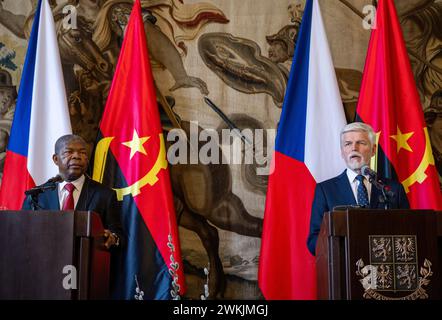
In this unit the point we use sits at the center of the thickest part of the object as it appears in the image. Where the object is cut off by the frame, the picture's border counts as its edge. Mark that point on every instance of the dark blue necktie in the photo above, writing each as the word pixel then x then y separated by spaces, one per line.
pixel 362 192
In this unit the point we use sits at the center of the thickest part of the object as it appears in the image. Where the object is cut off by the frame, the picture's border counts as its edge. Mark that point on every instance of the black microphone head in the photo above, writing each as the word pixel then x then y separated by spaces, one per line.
pixel 365 170
pixel 55 179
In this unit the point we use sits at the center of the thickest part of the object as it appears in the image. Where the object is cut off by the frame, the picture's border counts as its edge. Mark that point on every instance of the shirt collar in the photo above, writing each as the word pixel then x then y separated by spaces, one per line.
pixel 77 183
pixel 352 175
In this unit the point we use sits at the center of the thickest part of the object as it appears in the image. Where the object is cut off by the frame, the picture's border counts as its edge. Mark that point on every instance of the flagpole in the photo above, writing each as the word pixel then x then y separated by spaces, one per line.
pixel 166 107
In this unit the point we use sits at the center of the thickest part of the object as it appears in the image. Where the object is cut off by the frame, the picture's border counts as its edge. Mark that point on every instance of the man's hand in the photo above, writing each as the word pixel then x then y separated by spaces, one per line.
pixel 111 239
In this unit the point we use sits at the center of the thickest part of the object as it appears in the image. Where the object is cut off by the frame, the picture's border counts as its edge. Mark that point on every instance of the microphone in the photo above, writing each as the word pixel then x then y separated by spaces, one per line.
pixel 366 171
pixel 387 194
pixel 48 185
pixel 55 179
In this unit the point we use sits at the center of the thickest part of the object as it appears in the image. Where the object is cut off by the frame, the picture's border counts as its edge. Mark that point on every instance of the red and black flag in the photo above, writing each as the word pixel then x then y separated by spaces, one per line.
pixel 389 102
pixel 130 157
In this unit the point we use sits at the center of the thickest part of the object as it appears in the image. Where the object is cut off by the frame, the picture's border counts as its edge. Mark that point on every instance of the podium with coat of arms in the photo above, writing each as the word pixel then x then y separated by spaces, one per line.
pixel 379 255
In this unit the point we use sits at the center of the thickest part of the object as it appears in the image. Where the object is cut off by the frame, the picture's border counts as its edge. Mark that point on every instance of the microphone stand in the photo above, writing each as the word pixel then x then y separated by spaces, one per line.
pixel 34 202
pixel 34 192
pixel 386 196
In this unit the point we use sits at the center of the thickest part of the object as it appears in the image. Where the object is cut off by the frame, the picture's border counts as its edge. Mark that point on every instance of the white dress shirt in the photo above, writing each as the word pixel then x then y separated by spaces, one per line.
pixel 351 175
pixel 63 193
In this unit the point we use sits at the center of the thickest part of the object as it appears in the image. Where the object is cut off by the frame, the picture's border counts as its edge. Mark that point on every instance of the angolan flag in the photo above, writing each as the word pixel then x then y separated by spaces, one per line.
pixel 130 157
pixel 389 102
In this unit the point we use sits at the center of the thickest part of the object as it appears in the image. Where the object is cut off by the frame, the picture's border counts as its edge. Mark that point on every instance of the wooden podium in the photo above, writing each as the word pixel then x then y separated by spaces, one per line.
pixel 380 255
pixel 52 255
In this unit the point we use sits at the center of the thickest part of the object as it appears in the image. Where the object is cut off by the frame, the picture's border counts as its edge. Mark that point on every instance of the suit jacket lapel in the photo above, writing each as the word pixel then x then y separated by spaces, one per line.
pixel 53 202
pixel 345 189
pixel 86 195
pixel 374 197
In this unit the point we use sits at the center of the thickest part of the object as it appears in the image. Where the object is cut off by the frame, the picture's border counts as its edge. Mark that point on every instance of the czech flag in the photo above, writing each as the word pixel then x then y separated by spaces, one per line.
pixel 131 158
pixel 307 152
pixel 390 103
pixel 41 114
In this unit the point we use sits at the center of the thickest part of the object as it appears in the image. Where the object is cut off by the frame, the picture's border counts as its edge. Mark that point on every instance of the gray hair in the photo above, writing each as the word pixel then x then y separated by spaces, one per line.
pixel 63 140
pixel 359 127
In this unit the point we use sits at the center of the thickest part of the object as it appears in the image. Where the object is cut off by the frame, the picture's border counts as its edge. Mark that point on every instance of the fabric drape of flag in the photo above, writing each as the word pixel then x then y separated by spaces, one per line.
pixel 307 152
pixel 131 158
pixel 389 102
pixel 41 114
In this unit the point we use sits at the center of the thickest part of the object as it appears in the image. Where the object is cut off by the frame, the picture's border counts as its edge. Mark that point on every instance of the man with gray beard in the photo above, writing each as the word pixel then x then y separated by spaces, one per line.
pixel 352 187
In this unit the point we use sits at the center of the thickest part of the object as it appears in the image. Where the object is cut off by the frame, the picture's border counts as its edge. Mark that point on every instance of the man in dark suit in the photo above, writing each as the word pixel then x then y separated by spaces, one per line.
pixel 351 187
pixel 79 192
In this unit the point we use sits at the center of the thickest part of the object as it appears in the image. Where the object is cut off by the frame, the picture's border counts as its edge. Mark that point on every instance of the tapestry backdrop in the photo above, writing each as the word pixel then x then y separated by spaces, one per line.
pixel 238 54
